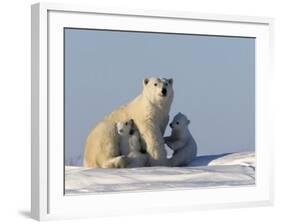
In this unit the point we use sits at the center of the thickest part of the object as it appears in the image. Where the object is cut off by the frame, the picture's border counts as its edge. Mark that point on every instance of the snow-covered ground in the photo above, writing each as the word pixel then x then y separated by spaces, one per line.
pixel 233 169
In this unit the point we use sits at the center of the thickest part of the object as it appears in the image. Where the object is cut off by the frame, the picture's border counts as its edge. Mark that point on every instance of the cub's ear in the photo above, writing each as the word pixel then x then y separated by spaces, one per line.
pixel 145 81
pixel 131 121
pixel 170 81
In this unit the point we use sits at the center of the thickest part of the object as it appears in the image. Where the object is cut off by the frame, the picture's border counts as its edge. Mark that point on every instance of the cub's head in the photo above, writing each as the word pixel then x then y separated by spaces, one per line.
pixel 125 128
pixel 158 90
pixel 180 122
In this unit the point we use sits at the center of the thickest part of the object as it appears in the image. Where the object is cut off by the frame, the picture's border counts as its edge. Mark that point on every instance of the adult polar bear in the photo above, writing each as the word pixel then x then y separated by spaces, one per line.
pixel 150 112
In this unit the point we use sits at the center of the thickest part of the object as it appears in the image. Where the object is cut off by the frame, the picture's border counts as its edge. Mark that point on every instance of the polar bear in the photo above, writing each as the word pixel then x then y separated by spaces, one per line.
pixel 129 137
pixel 181 141
pixel 130 145
pixel 150 112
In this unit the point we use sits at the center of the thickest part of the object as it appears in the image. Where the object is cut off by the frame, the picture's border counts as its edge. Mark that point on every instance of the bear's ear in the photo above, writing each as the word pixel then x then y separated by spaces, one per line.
pixel 170 81
pixel 131 121
pixel 145 81
pixel 179 114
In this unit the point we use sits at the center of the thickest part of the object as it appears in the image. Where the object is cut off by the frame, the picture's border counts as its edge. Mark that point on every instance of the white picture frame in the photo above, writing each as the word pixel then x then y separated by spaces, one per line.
pixel 47 196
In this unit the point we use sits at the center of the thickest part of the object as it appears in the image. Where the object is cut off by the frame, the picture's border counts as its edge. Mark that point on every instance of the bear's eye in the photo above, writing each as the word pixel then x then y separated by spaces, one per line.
pixel 166 84
pixel 177 123
pixel 126 123
pixel 155 84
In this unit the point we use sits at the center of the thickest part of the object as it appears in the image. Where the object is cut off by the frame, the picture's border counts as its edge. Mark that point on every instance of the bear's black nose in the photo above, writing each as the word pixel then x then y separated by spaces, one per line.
pixel 164 92
pixel 121 130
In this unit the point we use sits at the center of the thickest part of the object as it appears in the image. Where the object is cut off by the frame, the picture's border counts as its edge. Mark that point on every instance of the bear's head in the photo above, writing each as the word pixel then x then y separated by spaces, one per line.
pixel 125 128
pixel 158 90
pixel 180 122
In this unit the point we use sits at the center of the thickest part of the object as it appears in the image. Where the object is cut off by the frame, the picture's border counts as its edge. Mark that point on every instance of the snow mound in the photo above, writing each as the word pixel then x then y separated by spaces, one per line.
pixel 234 169
pixel 238 158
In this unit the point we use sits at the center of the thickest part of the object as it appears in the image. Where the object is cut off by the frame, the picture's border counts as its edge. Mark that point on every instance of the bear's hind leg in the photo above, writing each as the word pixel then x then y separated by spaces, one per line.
pixel 117 162
pixel 137 159
pixel 178 159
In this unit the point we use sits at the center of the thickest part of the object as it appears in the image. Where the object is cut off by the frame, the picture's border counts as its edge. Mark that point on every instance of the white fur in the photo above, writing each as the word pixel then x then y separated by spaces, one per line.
pixel 181 141
pixel 123 129
pixel 150 112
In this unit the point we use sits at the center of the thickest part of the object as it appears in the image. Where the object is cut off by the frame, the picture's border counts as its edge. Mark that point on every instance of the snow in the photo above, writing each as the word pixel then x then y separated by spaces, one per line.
pixel 233 169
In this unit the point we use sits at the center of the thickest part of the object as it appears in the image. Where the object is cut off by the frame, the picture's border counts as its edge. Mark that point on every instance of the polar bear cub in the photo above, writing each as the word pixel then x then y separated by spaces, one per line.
pixel 130 145
pixel 181 141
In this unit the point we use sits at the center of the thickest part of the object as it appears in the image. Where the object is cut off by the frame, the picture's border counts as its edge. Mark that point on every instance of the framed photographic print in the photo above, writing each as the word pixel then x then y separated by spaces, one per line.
pixel 148 111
